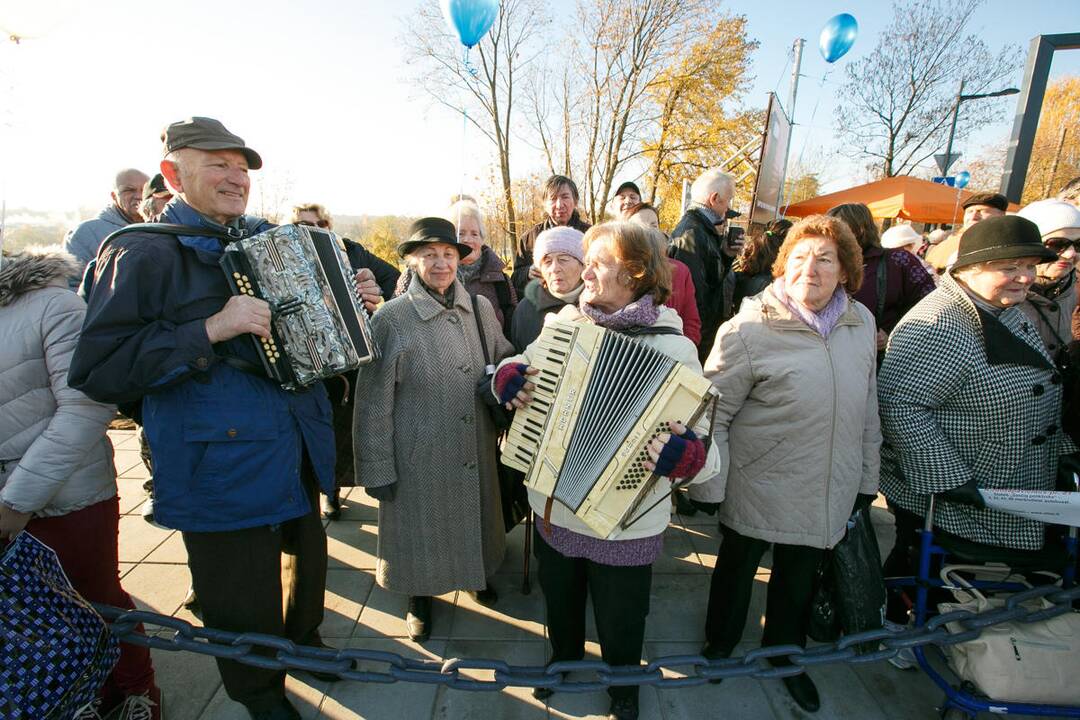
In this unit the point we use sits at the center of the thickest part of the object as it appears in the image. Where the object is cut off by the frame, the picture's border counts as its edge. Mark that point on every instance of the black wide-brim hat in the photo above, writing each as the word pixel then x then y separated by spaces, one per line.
pixel 426 231
pixel 1006 237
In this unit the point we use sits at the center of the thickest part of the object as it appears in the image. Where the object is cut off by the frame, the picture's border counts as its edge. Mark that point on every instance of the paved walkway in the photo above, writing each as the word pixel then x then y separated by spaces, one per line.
pixel 360 614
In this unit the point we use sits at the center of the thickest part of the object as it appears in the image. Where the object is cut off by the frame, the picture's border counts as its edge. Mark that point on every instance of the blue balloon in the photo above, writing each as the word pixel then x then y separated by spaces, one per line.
pixel 963 178
pixel 470 19
pixel 837 37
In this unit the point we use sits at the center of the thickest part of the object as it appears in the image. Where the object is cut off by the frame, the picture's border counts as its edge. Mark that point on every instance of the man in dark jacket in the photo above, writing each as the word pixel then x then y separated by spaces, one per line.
pixel 560 205
pixel 699 242
pixel 237 459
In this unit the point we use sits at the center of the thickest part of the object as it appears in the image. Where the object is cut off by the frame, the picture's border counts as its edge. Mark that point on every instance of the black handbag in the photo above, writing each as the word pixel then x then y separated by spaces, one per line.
pixel 858 579
pixel 514 497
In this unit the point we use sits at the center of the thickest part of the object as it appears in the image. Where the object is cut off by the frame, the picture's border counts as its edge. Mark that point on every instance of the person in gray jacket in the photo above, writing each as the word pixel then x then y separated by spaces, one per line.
pixel 83 242
pixel 57 479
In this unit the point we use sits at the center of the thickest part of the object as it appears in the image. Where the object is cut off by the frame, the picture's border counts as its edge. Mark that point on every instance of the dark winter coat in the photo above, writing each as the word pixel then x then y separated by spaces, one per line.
pixel 523 258
pixel 529 315
pixel 696 242
pixel 906 283
pixel 83 242
pixel 228 445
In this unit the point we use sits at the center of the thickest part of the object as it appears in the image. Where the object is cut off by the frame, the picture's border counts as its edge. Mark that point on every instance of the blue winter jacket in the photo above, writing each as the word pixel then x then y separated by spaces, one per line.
pixel 83 242
pixel 227 444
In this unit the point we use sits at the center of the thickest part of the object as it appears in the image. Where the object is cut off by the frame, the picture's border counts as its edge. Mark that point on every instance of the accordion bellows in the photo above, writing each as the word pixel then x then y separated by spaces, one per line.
pixel 319 326
pixel 600 397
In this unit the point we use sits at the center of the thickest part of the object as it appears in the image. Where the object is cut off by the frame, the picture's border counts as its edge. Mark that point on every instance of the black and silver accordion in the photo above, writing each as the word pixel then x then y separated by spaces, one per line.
pixel 319 328
pixel 600 398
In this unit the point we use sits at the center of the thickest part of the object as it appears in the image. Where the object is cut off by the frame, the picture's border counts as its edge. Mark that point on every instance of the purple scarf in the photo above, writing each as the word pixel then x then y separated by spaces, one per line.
pixel 640 313
pixel 820 322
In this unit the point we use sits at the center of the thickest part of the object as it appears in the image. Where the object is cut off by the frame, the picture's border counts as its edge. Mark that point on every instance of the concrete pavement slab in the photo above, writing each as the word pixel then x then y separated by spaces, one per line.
pixel 510 704
pixel 370 701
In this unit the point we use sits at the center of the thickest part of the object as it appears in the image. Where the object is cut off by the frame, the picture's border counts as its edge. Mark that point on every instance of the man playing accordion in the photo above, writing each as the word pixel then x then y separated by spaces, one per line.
pixel 238 460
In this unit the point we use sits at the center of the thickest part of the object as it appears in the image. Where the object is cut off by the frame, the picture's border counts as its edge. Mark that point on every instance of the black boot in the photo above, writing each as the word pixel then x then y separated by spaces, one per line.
pixel 486 597
pixel 683 506
pixel 712 652
pixel 282 711
pixel 803 692
pixel 418 618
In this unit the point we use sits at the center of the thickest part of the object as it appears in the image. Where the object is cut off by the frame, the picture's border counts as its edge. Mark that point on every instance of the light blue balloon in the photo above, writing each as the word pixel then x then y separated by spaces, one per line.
pixel 963 178
pixel 838 36
pixel 470 19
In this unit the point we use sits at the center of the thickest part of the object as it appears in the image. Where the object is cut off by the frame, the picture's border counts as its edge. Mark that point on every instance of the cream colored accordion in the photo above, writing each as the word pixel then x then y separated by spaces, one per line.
pixel 600 397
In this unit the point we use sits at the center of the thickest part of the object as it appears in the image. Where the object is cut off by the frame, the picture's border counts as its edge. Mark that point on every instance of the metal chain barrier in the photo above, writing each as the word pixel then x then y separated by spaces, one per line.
pixel 276 653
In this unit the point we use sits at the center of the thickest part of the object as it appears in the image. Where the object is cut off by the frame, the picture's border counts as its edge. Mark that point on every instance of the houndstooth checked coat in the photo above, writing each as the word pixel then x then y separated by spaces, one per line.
pixel 963 396
pixel 418 423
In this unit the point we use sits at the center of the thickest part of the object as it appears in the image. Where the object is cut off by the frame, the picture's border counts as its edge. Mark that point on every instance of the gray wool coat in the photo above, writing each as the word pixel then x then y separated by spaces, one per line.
pixel 419 424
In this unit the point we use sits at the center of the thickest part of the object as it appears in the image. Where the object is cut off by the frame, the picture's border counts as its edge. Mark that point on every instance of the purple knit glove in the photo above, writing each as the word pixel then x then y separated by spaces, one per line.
pixel 683 456
pixel 509 381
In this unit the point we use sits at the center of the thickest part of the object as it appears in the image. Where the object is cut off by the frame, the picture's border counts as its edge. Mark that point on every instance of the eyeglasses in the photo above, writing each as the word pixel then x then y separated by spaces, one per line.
pixel 320 223
pixel 1060 245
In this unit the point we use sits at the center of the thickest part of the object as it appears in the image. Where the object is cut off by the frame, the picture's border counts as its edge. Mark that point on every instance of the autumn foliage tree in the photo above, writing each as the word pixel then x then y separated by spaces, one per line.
pixel 696 115
pixel 1055 155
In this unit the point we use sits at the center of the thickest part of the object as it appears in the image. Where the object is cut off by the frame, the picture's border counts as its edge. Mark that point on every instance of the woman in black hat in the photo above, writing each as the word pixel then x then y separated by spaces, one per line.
pixel 424 443
pixel 970 398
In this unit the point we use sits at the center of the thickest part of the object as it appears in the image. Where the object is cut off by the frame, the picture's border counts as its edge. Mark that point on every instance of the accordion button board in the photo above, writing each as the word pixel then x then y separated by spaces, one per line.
pixel 319 327
pixel 600 397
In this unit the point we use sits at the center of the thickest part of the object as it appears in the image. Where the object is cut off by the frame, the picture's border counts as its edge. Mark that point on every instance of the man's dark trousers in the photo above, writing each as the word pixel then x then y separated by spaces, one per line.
pixel 237 578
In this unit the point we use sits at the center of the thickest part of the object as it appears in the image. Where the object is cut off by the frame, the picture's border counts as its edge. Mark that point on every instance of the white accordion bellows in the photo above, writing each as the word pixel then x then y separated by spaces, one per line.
pixel 600 397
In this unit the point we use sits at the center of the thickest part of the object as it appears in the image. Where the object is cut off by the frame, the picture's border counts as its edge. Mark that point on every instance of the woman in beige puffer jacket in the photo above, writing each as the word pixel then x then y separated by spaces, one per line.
pixel 798 432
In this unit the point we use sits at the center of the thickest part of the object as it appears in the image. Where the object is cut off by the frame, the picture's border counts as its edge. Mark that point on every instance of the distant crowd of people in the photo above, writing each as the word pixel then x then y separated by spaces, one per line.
pixel 846 361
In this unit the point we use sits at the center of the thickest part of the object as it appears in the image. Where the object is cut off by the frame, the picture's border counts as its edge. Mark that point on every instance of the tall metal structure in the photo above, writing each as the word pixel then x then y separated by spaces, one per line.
pixel 1028 107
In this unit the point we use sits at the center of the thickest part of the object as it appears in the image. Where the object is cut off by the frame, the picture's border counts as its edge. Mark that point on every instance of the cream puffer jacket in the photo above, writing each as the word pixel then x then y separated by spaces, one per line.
pixel 54 455
pixel 797 423
pixel 677 347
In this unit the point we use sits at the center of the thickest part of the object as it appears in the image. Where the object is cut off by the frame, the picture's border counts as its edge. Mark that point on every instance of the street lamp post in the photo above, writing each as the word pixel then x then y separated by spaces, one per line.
pixel 961 97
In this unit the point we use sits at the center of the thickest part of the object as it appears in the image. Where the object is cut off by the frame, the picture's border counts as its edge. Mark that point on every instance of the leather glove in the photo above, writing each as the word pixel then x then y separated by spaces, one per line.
pixel 966 494
pixel 680 456
pixel 1068 465
pixel 383 493
pixel 509 381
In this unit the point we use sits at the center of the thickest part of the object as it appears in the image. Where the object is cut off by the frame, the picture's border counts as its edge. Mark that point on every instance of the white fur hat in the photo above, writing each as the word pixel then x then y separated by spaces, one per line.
pixel 1051 215
pixel 899 236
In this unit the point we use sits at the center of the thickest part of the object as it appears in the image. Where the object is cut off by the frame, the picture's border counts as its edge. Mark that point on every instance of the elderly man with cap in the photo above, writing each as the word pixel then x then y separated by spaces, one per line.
pixel 238 460
pixel 155 196
pixel 977 208
pixel 700 242
pixel 424 440
pixel 627 196
pixel 84 240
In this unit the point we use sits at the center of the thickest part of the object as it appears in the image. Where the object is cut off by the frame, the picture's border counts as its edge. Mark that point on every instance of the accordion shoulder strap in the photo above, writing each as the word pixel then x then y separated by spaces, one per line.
pixel 651 330
pixel 173 229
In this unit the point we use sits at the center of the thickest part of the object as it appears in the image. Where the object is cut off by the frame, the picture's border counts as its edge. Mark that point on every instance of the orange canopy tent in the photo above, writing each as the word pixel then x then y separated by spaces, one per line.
pixel 895 197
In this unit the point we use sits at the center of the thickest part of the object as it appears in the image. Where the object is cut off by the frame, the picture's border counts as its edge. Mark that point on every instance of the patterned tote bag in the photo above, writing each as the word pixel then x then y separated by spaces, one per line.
pixel 55 650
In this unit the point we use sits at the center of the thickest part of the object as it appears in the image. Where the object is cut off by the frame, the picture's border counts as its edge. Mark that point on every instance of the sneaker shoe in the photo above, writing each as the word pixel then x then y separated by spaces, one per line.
pixel 418 618
pixel 147 512
pixel 191 603
pixel 142 707
pixel 905 658
pixel 331 506
pixel 89 711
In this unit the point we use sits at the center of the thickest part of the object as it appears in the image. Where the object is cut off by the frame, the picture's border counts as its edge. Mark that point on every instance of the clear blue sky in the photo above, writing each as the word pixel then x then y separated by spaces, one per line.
pixel 320 90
